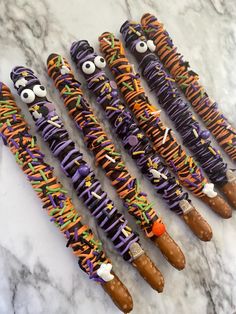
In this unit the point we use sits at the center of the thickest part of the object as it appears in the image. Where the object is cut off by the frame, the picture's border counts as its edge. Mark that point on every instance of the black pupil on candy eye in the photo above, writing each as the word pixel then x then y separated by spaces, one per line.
pixel 25 95
pixel 142 44
pixel 87 65
pixel 42 87
pixel 102 60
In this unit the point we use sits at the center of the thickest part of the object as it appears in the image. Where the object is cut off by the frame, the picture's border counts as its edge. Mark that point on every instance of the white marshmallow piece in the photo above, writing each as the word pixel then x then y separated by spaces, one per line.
pixel 104 272
pixel 64 70
pixel 156 174
pixel 37 115
pixel 209 190
pixel 21 82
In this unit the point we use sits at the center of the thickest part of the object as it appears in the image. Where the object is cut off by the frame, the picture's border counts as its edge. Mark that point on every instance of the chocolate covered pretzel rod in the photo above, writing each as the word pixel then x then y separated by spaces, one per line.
pixel 178 111
pixel 80 238
pixel 134 141
pixel 110 160
pixel 189 83
pixel 88 188
pixel 165 143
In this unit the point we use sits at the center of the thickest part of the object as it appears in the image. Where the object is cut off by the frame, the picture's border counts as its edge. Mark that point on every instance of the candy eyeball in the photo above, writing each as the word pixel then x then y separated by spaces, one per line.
pixel 151 45
pixel 88 67
pixel 40 90
pixel 141 47
pixel 27 96
pixel 100 62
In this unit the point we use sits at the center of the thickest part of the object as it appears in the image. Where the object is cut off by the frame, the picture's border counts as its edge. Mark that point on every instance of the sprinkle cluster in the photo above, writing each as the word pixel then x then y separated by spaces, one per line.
pixel 178 110
pixel 87 187
pixel 188 81
pixel 102 147
pixel 15 134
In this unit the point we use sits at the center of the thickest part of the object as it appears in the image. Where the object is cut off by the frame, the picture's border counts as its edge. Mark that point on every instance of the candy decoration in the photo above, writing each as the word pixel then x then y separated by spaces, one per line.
pixel 125 126
pixel 58 205
pixel 88 188
pixel 108 158
pixel 169 97
pixel 189 83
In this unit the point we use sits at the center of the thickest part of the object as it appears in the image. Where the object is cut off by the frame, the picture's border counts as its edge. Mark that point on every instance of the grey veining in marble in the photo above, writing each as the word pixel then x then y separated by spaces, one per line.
pixel 38 275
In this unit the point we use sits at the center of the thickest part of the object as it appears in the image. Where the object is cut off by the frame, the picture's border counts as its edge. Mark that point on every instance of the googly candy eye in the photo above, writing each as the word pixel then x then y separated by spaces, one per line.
pixel 100 62
pixel 27 96
pixel 151 45
pixel 40 90
pixel 88 67
pixel 141 47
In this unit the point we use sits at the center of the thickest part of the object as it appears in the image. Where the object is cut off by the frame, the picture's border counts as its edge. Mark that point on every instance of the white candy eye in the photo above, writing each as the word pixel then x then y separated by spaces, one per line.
pixel 88 67
pixel 151 45
pixel 141 47
pixel 27 96
pixel 40 90
pixel 100 62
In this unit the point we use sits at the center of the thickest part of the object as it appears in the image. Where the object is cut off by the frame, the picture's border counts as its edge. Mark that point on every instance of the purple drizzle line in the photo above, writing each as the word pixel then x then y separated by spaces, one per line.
pixel 178 110
pixel 126 127
pixel 110 220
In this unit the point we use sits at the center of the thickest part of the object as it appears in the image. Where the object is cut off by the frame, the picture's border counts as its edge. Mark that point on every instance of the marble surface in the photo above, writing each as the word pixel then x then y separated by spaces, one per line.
pixel 38 274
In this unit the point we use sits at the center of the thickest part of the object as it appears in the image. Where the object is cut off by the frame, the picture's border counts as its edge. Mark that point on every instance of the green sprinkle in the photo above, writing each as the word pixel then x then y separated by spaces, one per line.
pixel 70 215
pixel 182 76
pixel 9 107
pixel 52 190
pixel 8 122
pixel 168 47
pixel 4 102
pixel 128 86
pixel 17 159
pixel 10 113
pixel 38 189
pixel 32 142
pixel 143 118
pixel 93 119
pixel 63 191
pixel 100 139
pixel 112 41
pixel 53 211
pixel 120 164
pixel 113 57
pixel 138 222
pixel 67 87
pixel 145 217
pixel 183 85
pixel 65 224
pixel 59 61
pixel 35 182
pixel 78 101
pixel 75 217
pixel 43 175
pixel 63 209
pixel 115 154
pixel 31 167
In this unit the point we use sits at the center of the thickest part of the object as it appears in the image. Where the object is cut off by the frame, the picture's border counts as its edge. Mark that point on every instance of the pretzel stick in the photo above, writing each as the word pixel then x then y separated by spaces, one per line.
pixel 80 238
pixel 189 83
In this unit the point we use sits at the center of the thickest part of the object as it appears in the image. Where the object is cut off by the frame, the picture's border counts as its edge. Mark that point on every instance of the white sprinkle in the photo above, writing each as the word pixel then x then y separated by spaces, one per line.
pixel 54 123
pixel 164 176
pixel 107 41
pixel 195 133
pixel 165 136
pixel 111 159
pixel 228 127
pixel 96 195
pixel 54 118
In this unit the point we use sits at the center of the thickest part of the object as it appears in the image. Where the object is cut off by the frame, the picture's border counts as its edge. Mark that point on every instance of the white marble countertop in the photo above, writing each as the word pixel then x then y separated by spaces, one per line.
pixel 38 275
